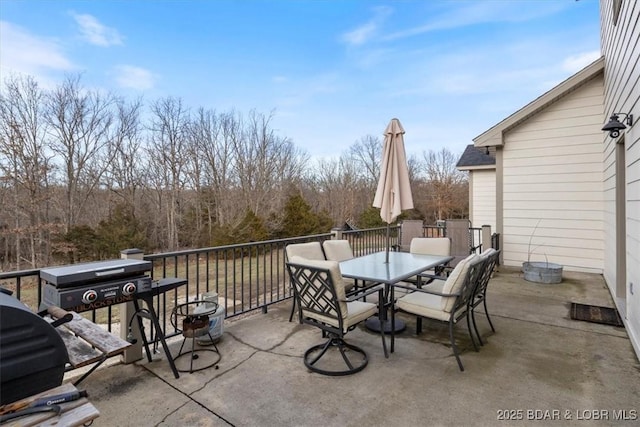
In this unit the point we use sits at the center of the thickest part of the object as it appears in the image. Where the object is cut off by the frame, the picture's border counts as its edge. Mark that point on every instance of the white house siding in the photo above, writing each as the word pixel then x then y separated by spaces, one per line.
pixel 552 178
pixel 484 198
pixel 620 45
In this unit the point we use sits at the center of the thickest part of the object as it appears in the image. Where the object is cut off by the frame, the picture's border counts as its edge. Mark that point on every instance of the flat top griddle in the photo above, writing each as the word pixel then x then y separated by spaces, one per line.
pixel 81 274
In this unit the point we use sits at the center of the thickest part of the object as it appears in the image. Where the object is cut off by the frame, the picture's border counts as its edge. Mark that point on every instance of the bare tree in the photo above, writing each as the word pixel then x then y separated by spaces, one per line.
pixel 366 154
pixel 169 132
pixel 211 134
pixel 25 165
pixel 125 175
pixel 262 159
pixel 444 183
pixel 341 189
pixel 79 122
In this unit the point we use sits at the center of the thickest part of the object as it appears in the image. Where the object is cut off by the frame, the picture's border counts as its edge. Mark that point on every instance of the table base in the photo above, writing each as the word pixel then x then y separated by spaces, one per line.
pixel 373 324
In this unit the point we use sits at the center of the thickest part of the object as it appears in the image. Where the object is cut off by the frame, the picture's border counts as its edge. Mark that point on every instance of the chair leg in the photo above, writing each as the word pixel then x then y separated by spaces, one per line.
pixel 418 325
pixel 293 309
pixel 473 340
pixel 454 346
pixel 475 325
pixel 343 347
pixel 322 352
pixel 486 312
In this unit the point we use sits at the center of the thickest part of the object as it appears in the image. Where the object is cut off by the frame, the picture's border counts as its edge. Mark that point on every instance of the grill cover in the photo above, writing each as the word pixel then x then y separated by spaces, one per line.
pixel 32 353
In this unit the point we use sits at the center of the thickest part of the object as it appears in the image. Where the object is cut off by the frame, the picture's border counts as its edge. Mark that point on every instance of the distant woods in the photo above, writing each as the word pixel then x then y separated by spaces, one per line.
pixel 86 173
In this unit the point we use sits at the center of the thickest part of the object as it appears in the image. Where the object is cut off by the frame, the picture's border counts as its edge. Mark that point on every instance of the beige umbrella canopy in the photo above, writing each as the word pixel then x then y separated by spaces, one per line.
pixel 394 190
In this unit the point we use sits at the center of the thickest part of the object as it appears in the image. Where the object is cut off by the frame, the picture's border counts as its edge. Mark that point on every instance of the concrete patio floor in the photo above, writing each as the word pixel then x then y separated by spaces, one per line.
pixel 538 364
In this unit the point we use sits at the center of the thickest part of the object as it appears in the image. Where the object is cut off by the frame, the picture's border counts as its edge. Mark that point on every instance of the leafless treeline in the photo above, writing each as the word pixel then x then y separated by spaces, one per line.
pixel 72 156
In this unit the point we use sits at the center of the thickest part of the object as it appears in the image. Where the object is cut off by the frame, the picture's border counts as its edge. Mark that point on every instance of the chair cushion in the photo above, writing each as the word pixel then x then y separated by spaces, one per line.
pixel 359 311
pixel 455 281
pixel 422 304
pixel 431 246
pixel 309 250
pixel 436 286
pixel 337 250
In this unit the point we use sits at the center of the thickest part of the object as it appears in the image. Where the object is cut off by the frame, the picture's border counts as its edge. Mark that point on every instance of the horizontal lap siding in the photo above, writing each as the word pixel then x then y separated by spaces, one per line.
pixel 484 198
pixel 620 45
pixel 552 177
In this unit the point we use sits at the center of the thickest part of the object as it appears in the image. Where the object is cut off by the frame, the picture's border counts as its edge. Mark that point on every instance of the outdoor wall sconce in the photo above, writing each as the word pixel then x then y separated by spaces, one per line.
pixel 615 126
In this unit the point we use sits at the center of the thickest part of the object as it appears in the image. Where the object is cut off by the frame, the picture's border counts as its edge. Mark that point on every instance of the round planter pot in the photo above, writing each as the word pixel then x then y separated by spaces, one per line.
pixel 542 272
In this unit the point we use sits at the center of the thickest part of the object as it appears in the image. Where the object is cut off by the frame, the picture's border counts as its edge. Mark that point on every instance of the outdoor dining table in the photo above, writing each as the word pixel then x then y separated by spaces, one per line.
pixel 373 270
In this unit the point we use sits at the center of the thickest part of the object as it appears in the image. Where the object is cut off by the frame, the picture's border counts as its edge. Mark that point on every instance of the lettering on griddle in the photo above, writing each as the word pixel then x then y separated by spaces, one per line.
pixel 103 303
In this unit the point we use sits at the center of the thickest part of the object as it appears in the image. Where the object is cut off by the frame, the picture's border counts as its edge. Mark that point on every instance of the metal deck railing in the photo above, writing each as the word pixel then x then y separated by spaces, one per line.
pixel 246 277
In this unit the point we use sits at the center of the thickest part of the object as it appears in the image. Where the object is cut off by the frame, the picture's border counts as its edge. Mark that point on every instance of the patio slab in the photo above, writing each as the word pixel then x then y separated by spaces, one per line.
pixel 538 363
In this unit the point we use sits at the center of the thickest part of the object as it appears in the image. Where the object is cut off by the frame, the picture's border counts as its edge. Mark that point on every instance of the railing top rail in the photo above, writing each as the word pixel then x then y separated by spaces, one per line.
pixel 369 229
pixel 150 257
pixel 20 273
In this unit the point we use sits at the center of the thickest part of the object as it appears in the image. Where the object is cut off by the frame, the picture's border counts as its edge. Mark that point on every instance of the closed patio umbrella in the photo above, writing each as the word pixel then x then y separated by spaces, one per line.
pixel 394 190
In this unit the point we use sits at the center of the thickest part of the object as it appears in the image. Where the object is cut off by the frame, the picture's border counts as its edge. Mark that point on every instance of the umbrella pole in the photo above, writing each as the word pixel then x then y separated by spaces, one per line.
pixel 388 240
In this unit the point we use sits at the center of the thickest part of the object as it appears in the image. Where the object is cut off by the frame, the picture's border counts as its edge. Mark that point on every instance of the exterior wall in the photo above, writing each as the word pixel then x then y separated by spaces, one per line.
pixel 483 198
pixel 620 45
pixel 552 198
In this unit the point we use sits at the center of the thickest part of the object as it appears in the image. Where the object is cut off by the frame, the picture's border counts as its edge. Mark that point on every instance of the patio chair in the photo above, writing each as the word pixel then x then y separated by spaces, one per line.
pixel 322 303
pixel 458 231
pixel 308 250
pixel 409 228
pixel 340 250
pixel 480 293
pixel 431 246
pixel 449 305
pixel 337 250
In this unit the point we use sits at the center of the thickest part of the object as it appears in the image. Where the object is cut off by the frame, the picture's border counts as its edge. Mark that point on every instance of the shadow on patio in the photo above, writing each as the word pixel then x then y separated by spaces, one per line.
pixel 539 364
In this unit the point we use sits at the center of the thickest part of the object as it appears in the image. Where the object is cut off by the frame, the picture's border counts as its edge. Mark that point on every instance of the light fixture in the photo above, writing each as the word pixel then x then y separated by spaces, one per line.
pixel 615 126
pixel 487 151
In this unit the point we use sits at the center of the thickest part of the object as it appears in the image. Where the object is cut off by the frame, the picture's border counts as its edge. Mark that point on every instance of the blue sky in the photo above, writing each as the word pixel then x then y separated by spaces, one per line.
pixel 332 72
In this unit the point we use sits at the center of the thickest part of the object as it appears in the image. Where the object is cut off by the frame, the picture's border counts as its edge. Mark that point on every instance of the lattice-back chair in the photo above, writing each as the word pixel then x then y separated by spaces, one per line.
pixel 491 257
pixel 322 303
pixel 449 305
pixel 307 250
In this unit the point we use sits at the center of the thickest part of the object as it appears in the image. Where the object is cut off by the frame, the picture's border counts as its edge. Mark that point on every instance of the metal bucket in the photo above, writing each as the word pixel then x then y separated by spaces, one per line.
pixel 542 272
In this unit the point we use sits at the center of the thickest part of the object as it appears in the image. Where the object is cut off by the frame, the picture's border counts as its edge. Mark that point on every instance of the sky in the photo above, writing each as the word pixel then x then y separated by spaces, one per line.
pixel 331 72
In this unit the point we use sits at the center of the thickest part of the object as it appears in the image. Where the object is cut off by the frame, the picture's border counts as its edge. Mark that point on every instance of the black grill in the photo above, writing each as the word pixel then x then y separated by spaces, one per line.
pixel 32 353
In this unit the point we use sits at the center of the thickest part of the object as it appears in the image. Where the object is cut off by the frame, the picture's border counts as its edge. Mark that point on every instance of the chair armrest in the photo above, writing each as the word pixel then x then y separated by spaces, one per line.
pixel 424 290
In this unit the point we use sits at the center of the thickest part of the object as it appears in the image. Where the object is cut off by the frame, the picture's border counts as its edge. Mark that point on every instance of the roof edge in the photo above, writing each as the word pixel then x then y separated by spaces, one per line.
pixel 493 136
pixel 473 168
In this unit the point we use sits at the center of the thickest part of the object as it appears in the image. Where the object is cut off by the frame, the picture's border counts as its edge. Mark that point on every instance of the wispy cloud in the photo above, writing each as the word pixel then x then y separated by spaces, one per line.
pixel 96 33
pixel 27 53
pixel 464 14
pixel 366 31
pixel 132 77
